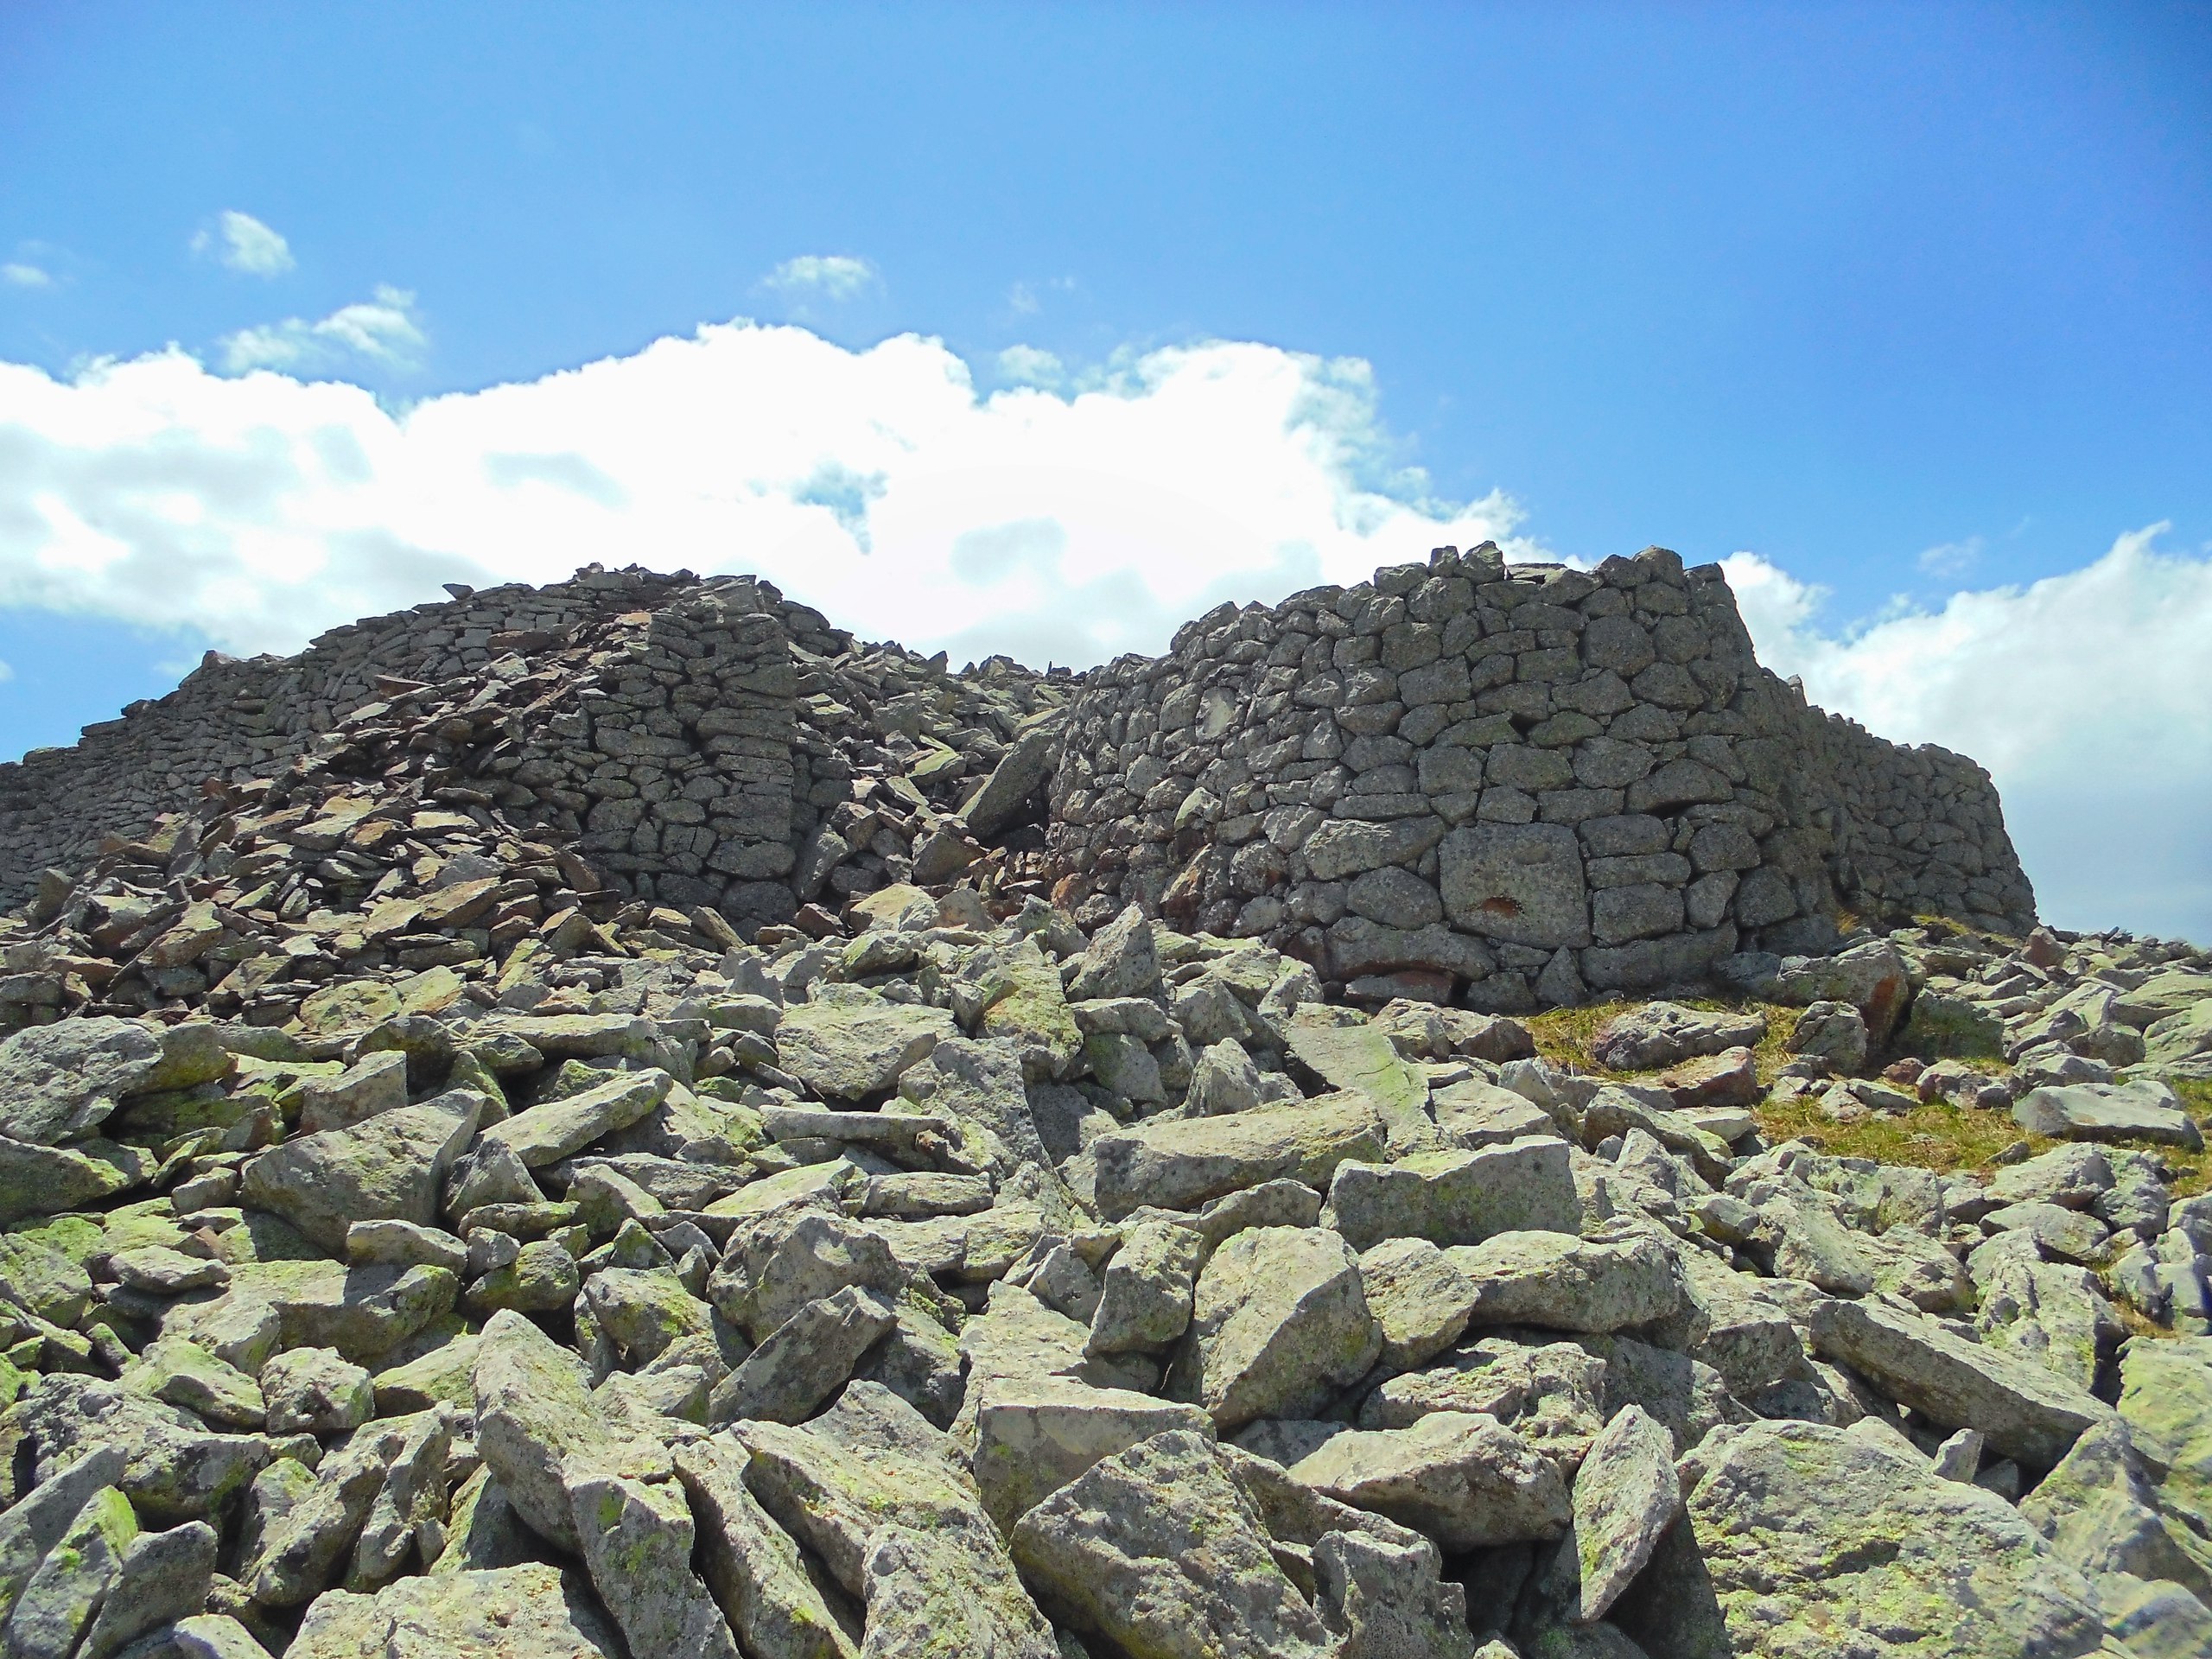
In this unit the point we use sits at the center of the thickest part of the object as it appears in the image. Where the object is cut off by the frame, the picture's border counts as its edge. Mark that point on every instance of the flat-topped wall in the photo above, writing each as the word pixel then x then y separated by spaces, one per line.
pixel 1509 786
pixel 1516 785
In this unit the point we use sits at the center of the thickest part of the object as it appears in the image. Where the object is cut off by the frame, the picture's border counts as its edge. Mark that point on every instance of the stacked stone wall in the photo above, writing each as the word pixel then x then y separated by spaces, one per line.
pixel 1510 787
pixel 716 653
pixel 1513 787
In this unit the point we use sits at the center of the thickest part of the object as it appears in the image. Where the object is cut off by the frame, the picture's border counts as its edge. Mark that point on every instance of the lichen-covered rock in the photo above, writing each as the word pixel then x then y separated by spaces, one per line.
pixel 1181 1164
pixel 1032 1438
pixel 1158 1552
pixel 1458 1196
pixel 1279 1321
pixel 1458 1477
pixel 636 1541
pixel 2025 1410
pixel 751 1564
pixel 528 1612
pixel 1804 1539
pixel 1565 1283
pixel 393 1165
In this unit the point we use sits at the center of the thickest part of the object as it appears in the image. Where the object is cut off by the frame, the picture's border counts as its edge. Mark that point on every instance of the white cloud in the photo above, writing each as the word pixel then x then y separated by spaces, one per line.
pixel 382 330
pixel 242 242
pixel 2087 695
pixel 1952 558
pixel 879 485
pixel 1026 366
pixel 7 672
pixel 22 275
pixel 826 276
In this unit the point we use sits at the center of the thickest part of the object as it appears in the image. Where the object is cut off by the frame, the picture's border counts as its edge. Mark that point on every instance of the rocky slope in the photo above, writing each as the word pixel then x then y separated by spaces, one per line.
pixel 424 1236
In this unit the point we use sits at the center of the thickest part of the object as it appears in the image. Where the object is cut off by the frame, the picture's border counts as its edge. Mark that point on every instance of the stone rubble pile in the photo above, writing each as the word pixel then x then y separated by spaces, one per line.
pixel 414 1245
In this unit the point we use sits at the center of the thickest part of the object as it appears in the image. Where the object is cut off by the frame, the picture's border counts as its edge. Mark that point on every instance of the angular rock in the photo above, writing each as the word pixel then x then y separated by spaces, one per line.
pixel 59 1601
pixel 392 1166
pixel 805 1359
pixel 1033 1439
pixel 1458 1198
pixel 175 1469
pixel 1666 1034
pixel 59 1082
pixel 2145 1111
pixel 1461 1478
pixel 1385 1599
pixel 1158 1552
pixel 1566 1283
pixel 548 1133
pixel 636 1542
pixel 2025 1411
pixel 1935 1567
pixel 529 1611
pixel 1419 1300
pixel 1279 1322
pixel 1625 1497
pixel 535 1407
pixel 857 1049
pixel 751 1565
pixel 1144 1301
pixel 1181 1164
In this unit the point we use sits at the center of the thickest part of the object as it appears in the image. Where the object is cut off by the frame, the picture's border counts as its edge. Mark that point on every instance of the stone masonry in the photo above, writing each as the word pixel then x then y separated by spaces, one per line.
pixel 1504 788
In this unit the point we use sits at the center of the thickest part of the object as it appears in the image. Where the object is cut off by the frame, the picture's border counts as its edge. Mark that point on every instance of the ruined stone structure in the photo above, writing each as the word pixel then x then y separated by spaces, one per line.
pixel 1499 786
pixel 1529 781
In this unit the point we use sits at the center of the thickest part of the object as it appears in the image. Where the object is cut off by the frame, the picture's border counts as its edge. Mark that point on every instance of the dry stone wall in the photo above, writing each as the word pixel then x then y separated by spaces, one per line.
pixel 664 696
pixel 1511 786
pixel 1504 787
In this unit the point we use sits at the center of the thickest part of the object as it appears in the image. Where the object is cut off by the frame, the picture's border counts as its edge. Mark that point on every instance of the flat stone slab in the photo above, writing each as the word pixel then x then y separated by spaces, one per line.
pixel 2145 1109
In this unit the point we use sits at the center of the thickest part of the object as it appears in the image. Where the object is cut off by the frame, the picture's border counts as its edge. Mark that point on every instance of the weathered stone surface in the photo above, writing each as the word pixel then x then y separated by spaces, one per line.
pixel 1458 1198
pixel 59 1083
pixel 31 1527
pixel 2166 1399
pixel 2099 1509
pixel 529 1611
pixel 545 1133
pixel 1032 1438
pixel 1666 1034
pixel 1179 1166
pixel 1156 1550
pixel 174 1468
pixel 393 1166
pixel 534 1409
pixel 805 1359
pixel 1460 1477
pixel 1567 1283
pixel 1519 883
pixel 59 1601
pixel 1935 1566
pixel 636 1541
pixel 1144 1301
pixel 2025 1411
pixel 1419 1300
pixel 751 1564
pixel 2145 1111
pixel 1279 1322
pixel 1625 1497
pixel 851 1050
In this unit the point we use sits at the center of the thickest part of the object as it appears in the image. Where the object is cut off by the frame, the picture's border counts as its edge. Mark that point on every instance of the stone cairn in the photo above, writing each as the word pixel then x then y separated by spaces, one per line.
pixel 618 1120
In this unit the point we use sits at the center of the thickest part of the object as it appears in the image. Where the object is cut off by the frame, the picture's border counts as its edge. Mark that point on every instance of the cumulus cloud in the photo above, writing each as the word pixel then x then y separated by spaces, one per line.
pixel 243 243
pixel 381 331
pixel 880 484
pixel 2089 697
pixel 823 275
pixel 25 275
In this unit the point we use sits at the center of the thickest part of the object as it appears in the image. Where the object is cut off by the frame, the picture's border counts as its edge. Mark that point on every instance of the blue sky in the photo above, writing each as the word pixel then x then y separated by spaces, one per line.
pixel 1902 302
